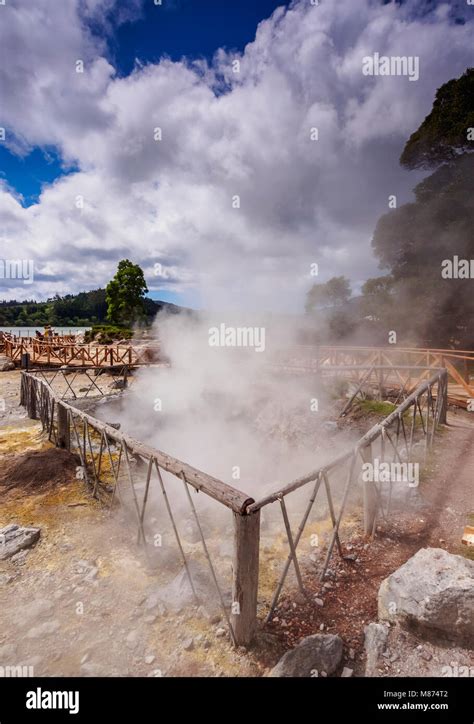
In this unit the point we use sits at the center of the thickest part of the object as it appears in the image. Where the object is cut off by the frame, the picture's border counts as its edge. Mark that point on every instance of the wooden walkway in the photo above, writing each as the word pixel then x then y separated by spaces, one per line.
pixel 60 351
pixel 403 368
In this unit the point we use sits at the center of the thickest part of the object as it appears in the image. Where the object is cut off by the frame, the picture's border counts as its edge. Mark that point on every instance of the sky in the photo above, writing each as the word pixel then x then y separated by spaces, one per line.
pixel 181 135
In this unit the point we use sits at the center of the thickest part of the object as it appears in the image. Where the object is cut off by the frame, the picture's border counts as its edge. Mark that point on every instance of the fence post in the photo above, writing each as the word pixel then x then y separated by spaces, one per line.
pixel 63 427
pixel 245 576
pixel 370 497
pixel 32 400
pixel 443 390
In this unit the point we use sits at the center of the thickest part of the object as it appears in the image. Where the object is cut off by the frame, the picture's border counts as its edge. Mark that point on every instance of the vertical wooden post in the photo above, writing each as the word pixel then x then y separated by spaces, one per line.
pixel 245 576
pixel 63 427
pixel 443 391
pixel 32 406
pixel 380 376
pixel 370 497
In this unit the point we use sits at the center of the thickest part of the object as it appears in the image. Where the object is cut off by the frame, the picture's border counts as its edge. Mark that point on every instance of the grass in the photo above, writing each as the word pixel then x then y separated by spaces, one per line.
pixel 377 407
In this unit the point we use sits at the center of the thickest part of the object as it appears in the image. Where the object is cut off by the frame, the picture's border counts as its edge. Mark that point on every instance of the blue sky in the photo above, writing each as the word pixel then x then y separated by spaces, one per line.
pixel 175 29
pixel 234 202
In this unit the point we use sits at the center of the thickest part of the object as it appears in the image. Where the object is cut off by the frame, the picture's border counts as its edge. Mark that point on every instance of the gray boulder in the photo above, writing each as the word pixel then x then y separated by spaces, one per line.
pixel 432 594
pixel 6 364
pixel 375 643
pixel 313 655
pixel 13 538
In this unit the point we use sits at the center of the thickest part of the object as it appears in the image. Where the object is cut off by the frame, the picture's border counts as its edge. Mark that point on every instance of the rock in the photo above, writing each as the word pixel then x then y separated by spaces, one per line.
pixel 178 594
pixel 154 604
pixel 6 366
pixel 188 644
pixel 91 669
pixel 220 632
pixel 43 629
pixel 30 612
pixel 375 642
pixel 319 652
pixel 14 538
pixel 319 602
pixel 432 594
pixel 149 659
pixel 346 672
pixel 7 653
pixel 117 385
pixel 132 639
pixel 150 619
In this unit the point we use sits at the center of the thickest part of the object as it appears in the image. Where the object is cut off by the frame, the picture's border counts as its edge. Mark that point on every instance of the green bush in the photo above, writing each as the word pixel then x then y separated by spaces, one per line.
pixel 107 333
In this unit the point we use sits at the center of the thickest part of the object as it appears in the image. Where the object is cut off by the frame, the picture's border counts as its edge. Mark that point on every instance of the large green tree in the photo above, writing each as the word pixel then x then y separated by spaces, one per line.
pixel 125 294
pixel 413 240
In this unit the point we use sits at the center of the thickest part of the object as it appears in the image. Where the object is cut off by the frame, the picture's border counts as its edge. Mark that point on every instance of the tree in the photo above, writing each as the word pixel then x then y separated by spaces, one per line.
pixel 125 294
pixel 413 241
pixel 334 293
pixel 443 135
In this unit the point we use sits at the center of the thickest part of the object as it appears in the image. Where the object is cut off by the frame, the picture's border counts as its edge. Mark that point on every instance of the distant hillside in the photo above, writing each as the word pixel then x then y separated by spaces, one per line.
pixel 75 310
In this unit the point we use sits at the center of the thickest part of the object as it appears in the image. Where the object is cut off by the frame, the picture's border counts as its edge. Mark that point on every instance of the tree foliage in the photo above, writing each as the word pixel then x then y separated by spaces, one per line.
pixel 443 135
pixel 413 240
pixel 332 293
pixel 125 294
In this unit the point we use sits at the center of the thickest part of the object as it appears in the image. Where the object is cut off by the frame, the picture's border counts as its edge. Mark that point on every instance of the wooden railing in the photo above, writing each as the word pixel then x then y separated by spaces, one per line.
pixel 59 351
pixel 393 438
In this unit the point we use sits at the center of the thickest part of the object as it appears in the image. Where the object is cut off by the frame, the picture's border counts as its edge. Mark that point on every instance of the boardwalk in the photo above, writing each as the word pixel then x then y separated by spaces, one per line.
pixel 61 351
pixel 394 367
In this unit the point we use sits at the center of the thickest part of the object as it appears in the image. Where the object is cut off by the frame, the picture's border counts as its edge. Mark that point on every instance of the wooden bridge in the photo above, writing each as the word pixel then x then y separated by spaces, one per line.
pixel 59 351
pixel 395 367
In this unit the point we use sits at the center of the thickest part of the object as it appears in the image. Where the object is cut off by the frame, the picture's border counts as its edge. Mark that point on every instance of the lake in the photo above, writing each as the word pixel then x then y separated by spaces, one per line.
pixel 30 331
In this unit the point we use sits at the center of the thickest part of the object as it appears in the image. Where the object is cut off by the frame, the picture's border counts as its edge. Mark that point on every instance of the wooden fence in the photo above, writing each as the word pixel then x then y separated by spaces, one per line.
pixel 60 351
pixel 71 428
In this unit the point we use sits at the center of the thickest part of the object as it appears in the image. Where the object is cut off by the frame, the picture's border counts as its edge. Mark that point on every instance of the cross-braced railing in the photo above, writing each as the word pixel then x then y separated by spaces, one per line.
pixel 74 383
pixel 113 463
pixel 395 436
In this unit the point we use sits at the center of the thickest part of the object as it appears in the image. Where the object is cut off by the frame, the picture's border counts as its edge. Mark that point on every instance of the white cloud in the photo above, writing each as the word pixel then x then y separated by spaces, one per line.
pixel 223 134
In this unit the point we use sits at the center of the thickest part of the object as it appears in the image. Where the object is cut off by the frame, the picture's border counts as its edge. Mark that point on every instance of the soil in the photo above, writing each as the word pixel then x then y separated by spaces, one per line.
pixel 38 470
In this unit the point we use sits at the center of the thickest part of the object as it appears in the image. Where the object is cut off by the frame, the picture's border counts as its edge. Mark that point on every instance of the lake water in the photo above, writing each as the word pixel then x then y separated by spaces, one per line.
pixel 30 331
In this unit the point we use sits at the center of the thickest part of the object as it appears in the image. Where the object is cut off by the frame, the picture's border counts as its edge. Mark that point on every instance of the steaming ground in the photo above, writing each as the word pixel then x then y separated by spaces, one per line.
pixel 228 412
